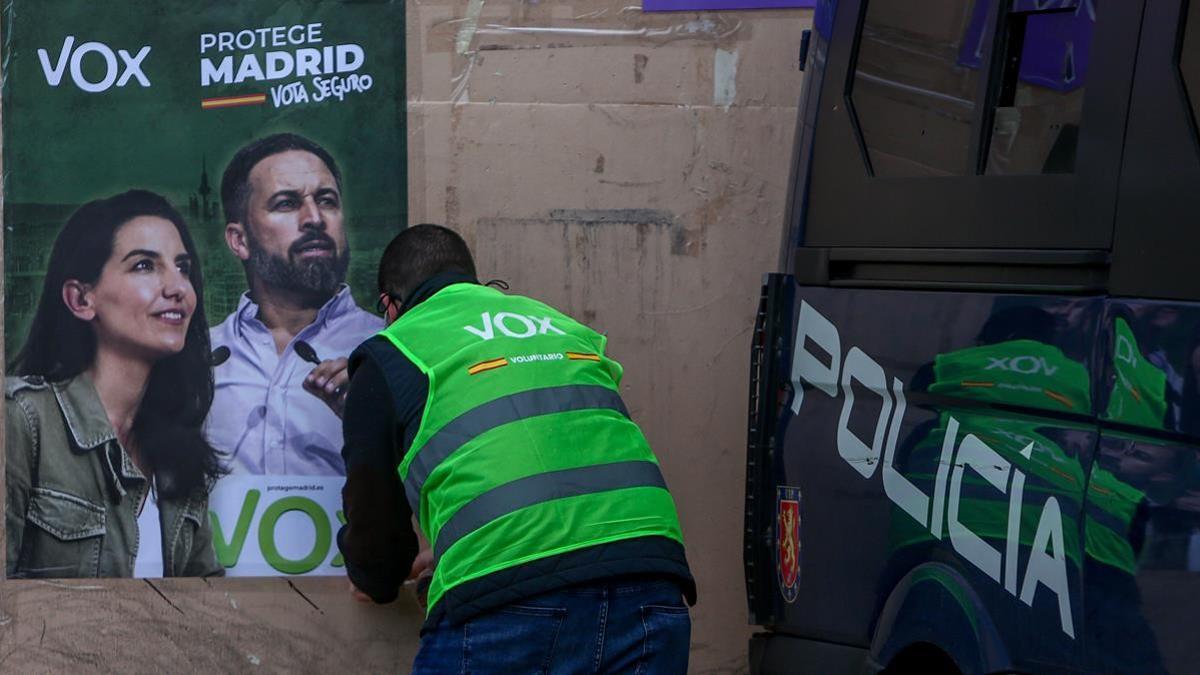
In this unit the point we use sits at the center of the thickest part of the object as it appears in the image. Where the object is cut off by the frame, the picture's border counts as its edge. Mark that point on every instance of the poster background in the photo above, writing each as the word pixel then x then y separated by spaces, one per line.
pixel 64 146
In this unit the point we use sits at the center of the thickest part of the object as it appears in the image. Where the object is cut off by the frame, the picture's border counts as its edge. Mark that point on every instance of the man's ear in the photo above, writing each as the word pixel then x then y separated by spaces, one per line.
pixel 235 239
pixel 78 297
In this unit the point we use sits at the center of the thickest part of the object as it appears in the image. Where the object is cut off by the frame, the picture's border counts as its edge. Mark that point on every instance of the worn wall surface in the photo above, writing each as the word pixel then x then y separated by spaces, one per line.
pixel 631 169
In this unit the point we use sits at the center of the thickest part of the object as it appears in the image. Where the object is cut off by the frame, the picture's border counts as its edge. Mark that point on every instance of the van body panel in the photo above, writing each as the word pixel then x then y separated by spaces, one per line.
pixel 975 397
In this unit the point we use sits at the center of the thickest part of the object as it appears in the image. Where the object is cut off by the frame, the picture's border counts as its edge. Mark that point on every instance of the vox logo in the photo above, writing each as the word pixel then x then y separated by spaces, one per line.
pixel 119 66
pixel 512 325
pixel 1025 365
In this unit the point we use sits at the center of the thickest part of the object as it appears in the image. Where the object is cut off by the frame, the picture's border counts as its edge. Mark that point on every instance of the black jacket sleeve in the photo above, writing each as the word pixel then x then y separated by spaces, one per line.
pixel 377 542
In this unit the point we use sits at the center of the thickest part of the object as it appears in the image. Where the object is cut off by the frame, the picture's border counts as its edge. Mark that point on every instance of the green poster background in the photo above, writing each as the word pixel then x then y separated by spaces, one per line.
pixel 64 146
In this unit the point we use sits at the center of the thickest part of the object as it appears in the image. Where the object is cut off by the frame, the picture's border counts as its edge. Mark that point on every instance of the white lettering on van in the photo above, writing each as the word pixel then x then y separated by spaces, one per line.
pixel 1047 564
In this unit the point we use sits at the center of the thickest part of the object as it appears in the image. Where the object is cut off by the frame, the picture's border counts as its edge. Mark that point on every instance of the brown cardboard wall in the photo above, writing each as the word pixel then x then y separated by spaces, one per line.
pixel 631 169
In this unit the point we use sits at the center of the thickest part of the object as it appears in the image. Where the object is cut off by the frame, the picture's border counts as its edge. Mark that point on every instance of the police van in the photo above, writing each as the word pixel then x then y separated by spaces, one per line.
pixel 975 378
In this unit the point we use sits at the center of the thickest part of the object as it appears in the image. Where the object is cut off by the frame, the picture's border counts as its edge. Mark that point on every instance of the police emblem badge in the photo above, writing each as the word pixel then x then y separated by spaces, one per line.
pixel 787 541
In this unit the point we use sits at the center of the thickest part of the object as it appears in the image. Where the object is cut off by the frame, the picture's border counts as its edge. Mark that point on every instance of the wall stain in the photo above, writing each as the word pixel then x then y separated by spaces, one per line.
pixel 451 205
pixel 683 241
pixel 639 67
pixel 687 242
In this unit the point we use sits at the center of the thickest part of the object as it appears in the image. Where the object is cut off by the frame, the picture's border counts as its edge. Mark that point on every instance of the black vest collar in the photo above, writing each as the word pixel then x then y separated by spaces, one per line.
pixel 432 285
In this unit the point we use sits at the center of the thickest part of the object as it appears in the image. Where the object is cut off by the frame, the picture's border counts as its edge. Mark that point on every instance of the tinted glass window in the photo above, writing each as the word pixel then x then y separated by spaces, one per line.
pixel 1035 128
pixel 915 85
pixel 1189 57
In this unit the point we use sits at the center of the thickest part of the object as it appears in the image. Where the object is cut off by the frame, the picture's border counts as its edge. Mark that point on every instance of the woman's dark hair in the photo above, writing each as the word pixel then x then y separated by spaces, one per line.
pixel 180 389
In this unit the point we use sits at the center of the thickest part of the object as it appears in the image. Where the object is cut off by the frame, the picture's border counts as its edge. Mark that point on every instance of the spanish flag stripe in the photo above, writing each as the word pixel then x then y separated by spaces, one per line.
pixel 486 365
pixel 1059 397
pixel 576 356
pixel 231 101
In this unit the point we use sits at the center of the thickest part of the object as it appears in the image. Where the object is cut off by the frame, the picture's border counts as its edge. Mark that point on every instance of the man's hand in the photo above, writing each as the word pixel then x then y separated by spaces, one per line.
pixel 329 382
pixel 422 563
pixel 422 571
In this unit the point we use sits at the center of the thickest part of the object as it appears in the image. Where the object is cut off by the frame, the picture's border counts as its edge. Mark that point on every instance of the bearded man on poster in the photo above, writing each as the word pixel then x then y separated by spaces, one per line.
pixel 280 358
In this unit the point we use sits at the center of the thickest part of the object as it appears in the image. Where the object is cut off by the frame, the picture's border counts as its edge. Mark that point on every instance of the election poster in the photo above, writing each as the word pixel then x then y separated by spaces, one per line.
pixel 196 196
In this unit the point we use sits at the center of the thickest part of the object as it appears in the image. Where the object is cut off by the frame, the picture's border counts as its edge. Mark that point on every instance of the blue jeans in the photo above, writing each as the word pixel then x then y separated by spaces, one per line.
pixel 621 626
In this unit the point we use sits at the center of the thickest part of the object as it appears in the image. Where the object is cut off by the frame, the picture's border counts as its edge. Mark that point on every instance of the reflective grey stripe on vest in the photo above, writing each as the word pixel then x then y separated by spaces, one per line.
pixel 544 487
pixel 495 413
pixel 1110 521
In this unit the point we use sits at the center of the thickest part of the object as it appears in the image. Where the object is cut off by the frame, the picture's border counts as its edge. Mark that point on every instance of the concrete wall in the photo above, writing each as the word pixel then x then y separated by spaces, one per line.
pixel 630 169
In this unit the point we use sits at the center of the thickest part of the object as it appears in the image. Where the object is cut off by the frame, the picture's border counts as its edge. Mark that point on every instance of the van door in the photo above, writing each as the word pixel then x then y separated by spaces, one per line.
pixel 931 361
pixel 972 124
pixel 1142 581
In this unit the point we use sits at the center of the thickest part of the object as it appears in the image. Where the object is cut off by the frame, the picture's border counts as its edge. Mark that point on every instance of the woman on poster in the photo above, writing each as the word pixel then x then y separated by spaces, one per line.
pixel 107 471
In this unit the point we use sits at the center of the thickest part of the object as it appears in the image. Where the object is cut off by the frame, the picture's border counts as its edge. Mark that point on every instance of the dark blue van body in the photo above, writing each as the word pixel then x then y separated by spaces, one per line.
pixel 975 379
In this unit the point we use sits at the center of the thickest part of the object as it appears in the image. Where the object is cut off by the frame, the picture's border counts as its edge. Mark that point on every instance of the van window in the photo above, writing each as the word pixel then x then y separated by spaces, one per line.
pixel 1189 58
pixel 1044 67
pixel 915 85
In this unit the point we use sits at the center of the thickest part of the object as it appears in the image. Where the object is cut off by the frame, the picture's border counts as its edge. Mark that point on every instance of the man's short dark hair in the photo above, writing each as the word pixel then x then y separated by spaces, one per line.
pixel 235 183
pixel 419 253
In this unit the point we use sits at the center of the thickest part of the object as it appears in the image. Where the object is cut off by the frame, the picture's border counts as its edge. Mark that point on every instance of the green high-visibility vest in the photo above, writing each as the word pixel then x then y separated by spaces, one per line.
pixel 1139 396
pixel 1112 505
pixel 1049 472
pixel 1023 373
pixel 525 449
pixel 1019 372
pixel 1031 374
